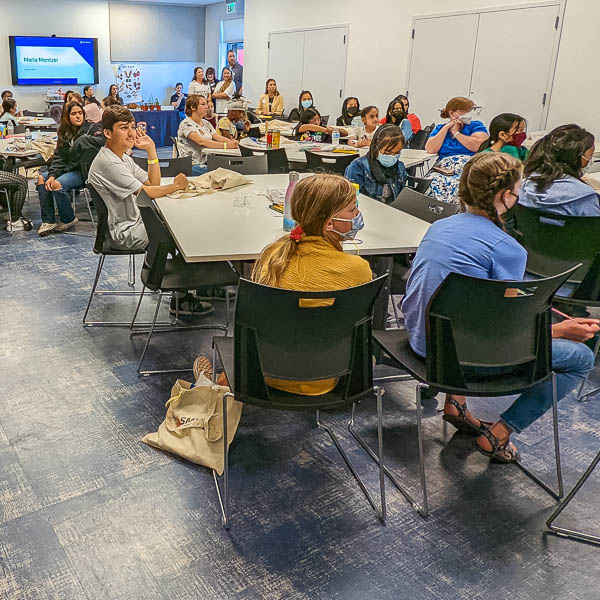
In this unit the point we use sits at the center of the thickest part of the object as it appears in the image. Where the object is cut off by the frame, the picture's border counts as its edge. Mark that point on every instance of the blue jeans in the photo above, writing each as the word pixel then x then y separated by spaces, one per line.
pixel 69 181
pixel 571 361
pixel 198 170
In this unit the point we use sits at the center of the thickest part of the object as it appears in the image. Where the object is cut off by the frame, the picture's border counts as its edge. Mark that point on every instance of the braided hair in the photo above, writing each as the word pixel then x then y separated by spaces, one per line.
pixel 483 177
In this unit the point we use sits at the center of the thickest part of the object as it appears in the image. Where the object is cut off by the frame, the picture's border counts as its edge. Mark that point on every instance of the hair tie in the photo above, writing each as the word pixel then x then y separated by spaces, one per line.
pixel 297 233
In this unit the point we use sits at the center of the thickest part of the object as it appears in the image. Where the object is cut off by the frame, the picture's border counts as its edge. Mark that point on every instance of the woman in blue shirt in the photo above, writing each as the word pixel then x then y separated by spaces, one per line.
pixel 474 243
pixel 553 174
pixel 380 174
pixel 454 142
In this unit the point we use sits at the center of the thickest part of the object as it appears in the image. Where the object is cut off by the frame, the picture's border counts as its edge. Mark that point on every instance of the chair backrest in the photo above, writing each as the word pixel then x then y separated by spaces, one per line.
pixel 419 139
pixel 20 129
pixel 306 336
pixel 56 112
pixel 487 323
pixel 277 159
pixel 174 140
pixel 102 218
pixel 32 113
pixel 169 167
pixel 556 242
pixel 246 165
pixel 324 120
pixel 423 207
pixel 419 184
pixel 333 164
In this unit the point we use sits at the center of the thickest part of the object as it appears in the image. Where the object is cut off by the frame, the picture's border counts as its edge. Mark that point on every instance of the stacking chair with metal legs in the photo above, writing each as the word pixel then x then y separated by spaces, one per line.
pixel 277 159
pixel 317 163
pixel 173 275
pixel 301 336
pixel 169 167
pixel 246 165
pixel 506 328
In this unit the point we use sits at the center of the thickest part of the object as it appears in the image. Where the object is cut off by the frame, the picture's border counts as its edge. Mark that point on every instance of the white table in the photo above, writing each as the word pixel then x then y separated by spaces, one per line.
pixel 209 228
pixel 36 121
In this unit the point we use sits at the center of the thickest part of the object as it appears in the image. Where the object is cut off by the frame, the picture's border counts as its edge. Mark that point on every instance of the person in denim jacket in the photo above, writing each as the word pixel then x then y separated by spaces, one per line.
pixel 380 174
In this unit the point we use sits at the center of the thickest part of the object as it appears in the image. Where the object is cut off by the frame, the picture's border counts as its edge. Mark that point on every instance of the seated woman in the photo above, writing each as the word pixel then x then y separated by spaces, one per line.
pixel 210 113
pixel 350 109
pixel 553 174
pixel 454 142
pixel 9 111
pixel 64 173
pixel 110 101
pixel 235 125
pixel 414 120
pixel 507 134
pixel 396 115
pixel 370 119
pixel 474 243
pixel 379 173
pixel 113 92
pixel 309 129
pixel 271 102
pixel 305 100
pixel 178 98
pixel 224 91
pixel 88 96
pixel 16 186
pixel 195 133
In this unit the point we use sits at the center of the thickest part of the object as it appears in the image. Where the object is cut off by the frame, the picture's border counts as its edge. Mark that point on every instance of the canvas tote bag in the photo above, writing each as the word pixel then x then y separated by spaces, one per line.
pixel 193 427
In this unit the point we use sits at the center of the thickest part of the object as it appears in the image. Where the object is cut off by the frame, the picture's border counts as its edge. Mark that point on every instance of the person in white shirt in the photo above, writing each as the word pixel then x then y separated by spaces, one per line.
pixel 370 118
pixel 199 86
pixel 224 91
pixel 195 133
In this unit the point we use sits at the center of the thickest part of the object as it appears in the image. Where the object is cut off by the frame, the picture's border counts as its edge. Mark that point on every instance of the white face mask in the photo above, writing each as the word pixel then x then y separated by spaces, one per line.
pixel 466 118
pixel 588 166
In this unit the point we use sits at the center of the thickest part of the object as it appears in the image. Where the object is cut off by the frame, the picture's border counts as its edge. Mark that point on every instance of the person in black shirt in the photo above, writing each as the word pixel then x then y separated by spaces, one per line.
pixel 178 98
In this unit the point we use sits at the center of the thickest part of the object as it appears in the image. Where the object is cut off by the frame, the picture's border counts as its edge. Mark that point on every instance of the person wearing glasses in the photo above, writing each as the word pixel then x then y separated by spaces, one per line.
pixel 454 142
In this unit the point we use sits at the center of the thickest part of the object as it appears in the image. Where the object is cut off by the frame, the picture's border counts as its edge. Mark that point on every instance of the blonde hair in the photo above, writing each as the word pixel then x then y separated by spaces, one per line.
pixel 483 177
pixel 315 201
pixel 458 103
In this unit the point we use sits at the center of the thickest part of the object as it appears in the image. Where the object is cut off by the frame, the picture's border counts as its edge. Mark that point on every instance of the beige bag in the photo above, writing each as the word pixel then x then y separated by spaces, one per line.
pixel 213 181
pixel 193 427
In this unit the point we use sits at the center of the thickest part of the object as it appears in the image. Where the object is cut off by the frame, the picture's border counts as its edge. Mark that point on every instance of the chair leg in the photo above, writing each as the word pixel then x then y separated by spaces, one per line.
pixel 556 495
pixel 149 334
pixel 137 308
pixel 395 308
pixel 423 508
pixel 224 498
pixel 571 533
pixel 89 206
pixel 131 271
pixel 98 271
pixel 584 397
pixel 380 512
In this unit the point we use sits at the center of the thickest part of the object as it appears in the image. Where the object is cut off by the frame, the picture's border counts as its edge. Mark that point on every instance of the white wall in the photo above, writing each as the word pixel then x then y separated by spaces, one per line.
pixel 215 13
pixel 379 43
pixel 85 18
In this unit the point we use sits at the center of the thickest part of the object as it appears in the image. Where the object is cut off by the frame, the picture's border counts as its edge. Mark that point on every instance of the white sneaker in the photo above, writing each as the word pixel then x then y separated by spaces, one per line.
pixel 46 229
pixel 65 226
pixel 20 224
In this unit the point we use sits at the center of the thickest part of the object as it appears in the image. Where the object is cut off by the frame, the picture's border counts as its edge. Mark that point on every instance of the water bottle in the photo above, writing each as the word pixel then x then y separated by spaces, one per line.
pixel 335 137
pixel 288 222
pixel 10 128
pixel 28 138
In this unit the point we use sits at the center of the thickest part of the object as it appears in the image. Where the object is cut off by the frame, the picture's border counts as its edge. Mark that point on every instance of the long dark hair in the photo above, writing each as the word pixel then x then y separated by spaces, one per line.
pixel 300 100
pixel 384 138
pixel 7 105
pixel 66 130
pixel 346 117
pixel 211 71
pixel 305 116
pixel 267 86
pixel 203 75
pixel 500 123
pixel 558 154
pixel 388 114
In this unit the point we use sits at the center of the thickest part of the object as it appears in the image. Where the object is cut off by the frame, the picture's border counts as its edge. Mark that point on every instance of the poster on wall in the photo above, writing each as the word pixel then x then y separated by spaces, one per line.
pixel 129 83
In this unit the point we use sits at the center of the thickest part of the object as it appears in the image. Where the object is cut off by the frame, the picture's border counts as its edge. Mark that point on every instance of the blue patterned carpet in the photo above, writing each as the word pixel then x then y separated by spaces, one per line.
pixel 89 512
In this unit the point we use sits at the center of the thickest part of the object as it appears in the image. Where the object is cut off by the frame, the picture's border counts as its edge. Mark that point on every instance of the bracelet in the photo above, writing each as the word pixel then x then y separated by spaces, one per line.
pixel 153 162
pixel 224 145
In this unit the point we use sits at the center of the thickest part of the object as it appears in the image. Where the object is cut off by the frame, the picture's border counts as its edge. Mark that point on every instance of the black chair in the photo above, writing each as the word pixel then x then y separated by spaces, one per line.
pixel 32 113
pixel 103 249
pixel 556 242
pixel 419 184
pixel 570 533
pixel 317 163
pixel 419 139
pixel 173 275
pixel 326 335
pixel 246 165
pixel 174 140
pixel 169 167
pixel 324 120
pixel 423 207
pixel 19 129
pixel 277 159
pixel 457 338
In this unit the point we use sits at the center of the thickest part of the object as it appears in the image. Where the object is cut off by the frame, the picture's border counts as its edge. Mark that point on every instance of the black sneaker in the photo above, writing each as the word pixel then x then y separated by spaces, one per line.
pixel 214 293
pixel 190 306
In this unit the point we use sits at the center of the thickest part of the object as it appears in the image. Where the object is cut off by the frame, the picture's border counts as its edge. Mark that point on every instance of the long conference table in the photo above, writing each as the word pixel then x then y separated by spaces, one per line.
pixel 209 228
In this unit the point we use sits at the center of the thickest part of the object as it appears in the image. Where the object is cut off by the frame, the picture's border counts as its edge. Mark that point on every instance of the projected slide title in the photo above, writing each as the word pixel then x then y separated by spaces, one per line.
pixel 27 59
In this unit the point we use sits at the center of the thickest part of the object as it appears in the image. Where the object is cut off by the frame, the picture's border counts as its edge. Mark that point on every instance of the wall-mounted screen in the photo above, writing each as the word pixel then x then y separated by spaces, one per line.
pixel 53 60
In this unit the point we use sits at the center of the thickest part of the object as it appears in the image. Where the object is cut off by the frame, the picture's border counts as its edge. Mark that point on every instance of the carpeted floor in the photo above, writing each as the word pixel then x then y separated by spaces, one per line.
pixel 89 512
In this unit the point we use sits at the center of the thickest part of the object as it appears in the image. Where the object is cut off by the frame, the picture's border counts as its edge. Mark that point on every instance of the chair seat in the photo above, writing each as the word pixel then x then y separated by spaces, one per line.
pixel 281 400
pixel 181 276
pixel 108 250
pixel 395 343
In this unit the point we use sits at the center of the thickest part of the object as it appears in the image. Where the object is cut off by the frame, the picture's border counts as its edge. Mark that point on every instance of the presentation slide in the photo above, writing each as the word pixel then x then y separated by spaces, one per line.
pixel 51 61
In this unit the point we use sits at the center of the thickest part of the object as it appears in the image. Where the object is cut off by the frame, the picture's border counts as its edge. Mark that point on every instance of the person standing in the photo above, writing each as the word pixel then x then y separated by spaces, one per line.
pixel 113 92
pixel 237 71
pixel 224 91
pixel 198 86
pixel 88 96
pixel 178 98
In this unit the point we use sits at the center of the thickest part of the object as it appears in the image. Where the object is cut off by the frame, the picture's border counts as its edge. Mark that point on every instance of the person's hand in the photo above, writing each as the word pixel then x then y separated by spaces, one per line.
pixel 55 186
pixel 49 182
pixel 329 130
pixel 144 142
pixel 247 126
pixel 455 126
pixel 181 181
pixel 578 330
pixel 232 144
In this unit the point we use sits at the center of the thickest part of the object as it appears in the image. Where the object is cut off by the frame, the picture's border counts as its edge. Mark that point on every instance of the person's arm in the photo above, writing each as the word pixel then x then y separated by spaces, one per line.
pixel 224 93
pixel 470 142
pixel 158 191
pixel 355 172
pixel 277 105
pixel 145 142
pixel 217 141
pixel 434 143
pixel 341 130
pixel 311 127
pixel 577 330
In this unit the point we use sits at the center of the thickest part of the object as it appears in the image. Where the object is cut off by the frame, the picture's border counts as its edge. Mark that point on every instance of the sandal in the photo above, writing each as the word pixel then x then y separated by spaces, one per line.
pixel 202 364
pixel 503 452
pixel 461 422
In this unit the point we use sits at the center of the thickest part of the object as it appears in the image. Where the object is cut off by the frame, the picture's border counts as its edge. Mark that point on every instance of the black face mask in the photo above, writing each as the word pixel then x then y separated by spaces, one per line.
pixel 398 114
pixel 352 110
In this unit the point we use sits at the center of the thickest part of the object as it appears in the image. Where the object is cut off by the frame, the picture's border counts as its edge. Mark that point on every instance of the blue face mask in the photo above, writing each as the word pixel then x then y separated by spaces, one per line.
pixel 306 104
pixel 387 160
pixel 357 224
pixel 239 125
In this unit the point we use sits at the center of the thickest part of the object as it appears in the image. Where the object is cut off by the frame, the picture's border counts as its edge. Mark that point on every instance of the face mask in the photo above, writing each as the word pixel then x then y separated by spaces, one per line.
pixel 306 103
pixel 357 224
pixel 518 139
pixel 588 166
pixel 466 119
pixel 239 124
pixel 353 110
pixel 387 160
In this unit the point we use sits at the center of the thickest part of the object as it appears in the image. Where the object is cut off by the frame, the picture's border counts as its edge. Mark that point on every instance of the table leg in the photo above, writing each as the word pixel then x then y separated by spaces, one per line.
pixel 383 265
